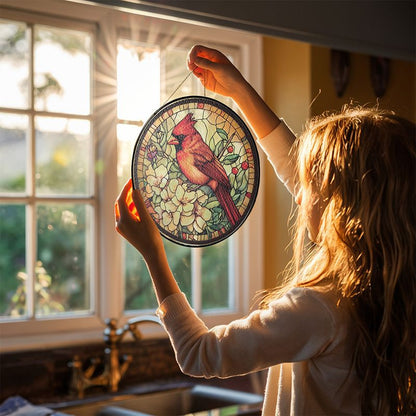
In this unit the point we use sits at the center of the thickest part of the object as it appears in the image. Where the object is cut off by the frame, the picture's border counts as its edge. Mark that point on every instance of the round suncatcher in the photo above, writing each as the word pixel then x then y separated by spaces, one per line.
pixel 196 164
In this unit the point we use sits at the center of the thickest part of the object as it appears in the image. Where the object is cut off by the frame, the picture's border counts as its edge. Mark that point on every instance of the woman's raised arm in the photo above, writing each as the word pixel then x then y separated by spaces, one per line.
pixel 218 74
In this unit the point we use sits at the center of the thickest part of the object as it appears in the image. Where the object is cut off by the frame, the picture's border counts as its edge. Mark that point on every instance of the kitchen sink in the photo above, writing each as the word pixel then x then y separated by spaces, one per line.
pixel 194 399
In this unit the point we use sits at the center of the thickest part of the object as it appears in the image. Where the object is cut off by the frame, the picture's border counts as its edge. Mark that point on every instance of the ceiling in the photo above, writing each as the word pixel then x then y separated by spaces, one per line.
pixel 375 27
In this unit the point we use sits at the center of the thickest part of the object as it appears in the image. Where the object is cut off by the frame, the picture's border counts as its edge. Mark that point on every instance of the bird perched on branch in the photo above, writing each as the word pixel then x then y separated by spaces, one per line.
pixel 200 165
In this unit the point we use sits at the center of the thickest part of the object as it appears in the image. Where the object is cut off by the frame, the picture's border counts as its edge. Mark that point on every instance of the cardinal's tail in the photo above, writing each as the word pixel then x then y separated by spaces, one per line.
pixel 227 203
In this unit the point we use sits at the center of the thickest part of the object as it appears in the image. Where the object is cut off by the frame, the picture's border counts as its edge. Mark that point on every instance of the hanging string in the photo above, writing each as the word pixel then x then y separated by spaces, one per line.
pixel 180 85
pixel 177 88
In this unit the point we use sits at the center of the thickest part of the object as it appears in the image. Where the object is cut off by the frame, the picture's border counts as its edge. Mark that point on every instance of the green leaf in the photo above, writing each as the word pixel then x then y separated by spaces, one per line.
pixel 218 209
pixel 240 176
pixel 241 181
pixel 212 204
pixel 243 184
pixel 230 159
pixel 162 161
pixel 216 226
pixel 219 147
pixel 223 134
pixel 232 180
pixel 174 175
pixel 174 167
pixel 236 198
pixel 156 144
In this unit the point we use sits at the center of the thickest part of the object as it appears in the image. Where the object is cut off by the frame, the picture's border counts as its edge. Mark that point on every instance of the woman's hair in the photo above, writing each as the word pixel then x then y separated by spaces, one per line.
pixel 362 164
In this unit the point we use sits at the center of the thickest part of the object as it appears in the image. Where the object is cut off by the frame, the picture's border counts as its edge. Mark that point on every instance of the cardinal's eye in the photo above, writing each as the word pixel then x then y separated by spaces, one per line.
pixel 180 136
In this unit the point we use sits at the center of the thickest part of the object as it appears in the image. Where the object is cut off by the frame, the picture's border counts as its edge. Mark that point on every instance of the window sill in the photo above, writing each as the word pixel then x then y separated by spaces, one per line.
pixel 22 341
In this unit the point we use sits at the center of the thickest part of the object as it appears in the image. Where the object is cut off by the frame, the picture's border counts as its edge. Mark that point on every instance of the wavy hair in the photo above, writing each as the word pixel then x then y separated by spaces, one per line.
pixel 362 164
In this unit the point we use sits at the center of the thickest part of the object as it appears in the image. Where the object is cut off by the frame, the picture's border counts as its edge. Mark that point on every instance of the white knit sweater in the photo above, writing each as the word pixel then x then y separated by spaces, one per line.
pixel 303 338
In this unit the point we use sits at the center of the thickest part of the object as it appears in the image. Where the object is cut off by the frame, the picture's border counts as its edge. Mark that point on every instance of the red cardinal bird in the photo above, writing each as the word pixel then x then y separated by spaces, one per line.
pixel 199 164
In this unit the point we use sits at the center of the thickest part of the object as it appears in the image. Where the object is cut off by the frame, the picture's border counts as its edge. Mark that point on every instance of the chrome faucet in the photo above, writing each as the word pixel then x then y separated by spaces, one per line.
pixel 113 370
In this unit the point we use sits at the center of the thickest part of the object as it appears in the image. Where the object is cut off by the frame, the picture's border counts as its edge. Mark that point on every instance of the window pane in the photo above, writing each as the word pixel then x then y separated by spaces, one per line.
pixel 62 70
pixel 177 81
pixel 215 278
pixel 62 156
pixel 13 132
pixel 138 80
pixel 12 260
pixel 180 262
pixel 14 64
pixel 126 139
pixel 138 287
pixel 63 267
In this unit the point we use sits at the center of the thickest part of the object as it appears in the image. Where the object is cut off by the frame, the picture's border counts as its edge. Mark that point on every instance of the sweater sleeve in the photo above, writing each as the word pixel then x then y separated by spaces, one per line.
pixel 277 145
pixel 296 327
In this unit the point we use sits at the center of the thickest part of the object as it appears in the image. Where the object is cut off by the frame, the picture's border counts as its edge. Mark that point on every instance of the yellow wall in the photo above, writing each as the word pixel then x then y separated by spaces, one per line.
pixel 400 92
pixel 293 74
pixel 286 90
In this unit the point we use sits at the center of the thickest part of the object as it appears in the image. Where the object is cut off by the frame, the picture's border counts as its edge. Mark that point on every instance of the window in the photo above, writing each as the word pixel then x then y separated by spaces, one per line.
pixel 74 99
pixel 46 158
pixel 147 67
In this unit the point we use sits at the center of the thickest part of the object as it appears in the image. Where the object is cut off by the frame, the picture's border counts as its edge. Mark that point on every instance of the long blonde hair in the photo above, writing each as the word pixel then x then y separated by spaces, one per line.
pixel 362 163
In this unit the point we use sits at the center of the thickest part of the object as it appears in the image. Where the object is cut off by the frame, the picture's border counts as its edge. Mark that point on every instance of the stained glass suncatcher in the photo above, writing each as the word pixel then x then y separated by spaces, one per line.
pixel 197 167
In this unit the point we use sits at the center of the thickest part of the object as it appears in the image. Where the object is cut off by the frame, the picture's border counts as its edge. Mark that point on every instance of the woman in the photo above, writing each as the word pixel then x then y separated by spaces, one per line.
pixel 340 336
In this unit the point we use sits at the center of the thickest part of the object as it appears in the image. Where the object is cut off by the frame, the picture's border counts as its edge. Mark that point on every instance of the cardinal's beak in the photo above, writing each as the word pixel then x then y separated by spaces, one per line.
pixel 173 141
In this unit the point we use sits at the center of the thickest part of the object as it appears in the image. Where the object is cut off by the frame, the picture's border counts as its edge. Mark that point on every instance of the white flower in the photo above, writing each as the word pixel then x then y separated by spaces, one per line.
pixel 168 194
pixel 157 178
pixel 202 214
pixel 180 206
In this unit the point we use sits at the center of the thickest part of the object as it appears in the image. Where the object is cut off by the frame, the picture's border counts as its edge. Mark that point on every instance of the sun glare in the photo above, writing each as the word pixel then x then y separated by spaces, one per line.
pixel 138 81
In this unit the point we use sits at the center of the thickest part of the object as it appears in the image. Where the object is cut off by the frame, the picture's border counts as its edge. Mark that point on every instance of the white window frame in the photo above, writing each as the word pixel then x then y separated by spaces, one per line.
pixel 246 244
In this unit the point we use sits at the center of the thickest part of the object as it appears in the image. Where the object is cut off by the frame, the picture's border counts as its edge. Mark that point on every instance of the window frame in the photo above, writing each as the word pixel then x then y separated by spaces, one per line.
pixel 247 242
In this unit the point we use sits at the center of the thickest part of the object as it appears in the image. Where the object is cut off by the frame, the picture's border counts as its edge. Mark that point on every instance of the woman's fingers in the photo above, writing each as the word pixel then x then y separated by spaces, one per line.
pixel 210 54
pixel 195 51
pixel 117 211
pixel 121 204
pixel 205 58
pixel 138 201
pixel 205 64
pixel 125 209
pixel 131 205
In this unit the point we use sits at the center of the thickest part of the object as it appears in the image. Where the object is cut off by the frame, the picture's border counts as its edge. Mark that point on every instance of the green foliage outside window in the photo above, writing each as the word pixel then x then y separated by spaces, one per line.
pixel 63 254
pixel 61 251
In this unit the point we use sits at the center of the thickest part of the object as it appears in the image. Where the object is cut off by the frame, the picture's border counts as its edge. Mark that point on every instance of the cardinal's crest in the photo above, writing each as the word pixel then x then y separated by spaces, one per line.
pixel 185 126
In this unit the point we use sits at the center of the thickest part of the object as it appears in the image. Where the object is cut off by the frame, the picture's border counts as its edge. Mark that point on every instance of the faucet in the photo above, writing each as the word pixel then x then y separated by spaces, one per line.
pixel 113 369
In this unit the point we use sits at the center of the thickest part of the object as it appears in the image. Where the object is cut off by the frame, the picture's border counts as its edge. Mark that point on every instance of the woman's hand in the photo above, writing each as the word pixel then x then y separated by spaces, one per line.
pixel 135 224
pixel 215 71
pixel 218 74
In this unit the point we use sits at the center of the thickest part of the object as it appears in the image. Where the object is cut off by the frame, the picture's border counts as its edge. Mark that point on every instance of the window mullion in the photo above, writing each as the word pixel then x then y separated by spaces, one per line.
pixel 31 228
pixel 232 277
pixel 30 258
pixel 109 301
pixel 30 175
pixel 93 238
pixel 196 270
